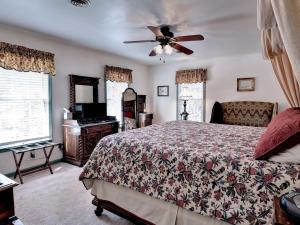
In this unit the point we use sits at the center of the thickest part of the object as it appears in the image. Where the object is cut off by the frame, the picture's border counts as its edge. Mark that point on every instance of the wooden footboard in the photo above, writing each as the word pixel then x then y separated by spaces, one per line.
pixel 115 209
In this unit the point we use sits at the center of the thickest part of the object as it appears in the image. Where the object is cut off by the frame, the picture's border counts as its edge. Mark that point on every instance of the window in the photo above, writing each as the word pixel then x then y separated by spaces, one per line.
pixel 196 104
pixel 114 92
pixel 25 105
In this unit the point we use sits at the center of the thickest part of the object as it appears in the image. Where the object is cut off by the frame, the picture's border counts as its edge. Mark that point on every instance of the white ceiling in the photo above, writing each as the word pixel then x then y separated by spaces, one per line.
pixel 229 26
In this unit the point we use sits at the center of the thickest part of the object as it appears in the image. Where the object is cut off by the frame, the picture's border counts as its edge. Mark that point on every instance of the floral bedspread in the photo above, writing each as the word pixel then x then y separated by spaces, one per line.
pixel 205 168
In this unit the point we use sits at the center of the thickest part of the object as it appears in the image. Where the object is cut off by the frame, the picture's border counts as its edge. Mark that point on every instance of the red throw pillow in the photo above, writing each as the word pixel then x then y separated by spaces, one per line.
pixel 128 114
pixel 282 133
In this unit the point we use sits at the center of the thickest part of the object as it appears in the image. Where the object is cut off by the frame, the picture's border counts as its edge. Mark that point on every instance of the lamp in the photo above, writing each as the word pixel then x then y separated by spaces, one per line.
pixel 185 96
pixel 168 49
pixel 158 49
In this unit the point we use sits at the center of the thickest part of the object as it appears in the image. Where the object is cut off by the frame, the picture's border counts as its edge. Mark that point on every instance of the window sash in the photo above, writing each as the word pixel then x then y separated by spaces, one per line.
pixel 29 97
pixel 192 110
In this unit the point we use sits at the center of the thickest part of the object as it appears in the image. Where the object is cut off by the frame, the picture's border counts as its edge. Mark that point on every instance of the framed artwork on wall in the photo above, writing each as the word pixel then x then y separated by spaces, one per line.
pixel 246 84
pixel 163 90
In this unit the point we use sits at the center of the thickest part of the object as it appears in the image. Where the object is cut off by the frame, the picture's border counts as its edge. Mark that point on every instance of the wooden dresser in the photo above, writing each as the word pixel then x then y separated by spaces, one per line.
pixel 81 139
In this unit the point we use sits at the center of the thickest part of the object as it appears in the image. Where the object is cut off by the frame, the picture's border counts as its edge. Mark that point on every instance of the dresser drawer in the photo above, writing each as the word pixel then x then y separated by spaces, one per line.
pixel 98 128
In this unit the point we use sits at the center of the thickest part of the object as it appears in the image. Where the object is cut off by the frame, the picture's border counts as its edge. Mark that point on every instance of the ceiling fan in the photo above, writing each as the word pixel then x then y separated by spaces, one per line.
pixel 167 41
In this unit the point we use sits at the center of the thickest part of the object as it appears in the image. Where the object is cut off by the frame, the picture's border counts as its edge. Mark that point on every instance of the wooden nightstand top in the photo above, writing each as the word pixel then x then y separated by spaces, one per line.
pixel 6 183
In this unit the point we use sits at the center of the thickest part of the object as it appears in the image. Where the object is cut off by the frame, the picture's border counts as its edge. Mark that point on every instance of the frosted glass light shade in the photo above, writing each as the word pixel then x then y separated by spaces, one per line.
pixel 158 49
pixel 168 49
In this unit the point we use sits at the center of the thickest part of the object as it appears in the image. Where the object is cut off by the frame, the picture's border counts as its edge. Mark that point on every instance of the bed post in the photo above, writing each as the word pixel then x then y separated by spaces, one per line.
pixel 99 209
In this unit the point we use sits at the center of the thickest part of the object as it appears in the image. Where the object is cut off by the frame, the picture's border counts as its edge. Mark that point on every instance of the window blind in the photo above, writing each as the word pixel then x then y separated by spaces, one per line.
pixel 24 106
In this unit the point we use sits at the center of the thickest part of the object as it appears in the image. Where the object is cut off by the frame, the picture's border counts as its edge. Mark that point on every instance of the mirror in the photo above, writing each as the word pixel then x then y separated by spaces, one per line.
pixel 129 109
pixel 83 94
pixel 83 90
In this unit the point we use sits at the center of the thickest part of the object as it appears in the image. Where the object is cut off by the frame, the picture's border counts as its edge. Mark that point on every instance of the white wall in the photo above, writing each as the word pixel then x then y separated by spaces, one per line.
pixel 221 84
pixel 69 59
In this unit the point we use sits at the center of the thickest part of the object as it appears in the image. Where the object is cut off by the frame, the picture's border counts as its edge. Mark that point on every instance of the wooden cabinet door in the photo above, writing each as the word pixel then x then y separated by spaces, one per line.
pixel 89 143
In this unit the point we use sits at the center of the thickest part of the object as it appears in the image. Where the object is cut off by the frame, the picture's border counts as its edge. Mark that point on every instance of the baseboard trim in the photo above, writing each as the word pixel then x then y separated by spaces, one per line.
pixel 35 167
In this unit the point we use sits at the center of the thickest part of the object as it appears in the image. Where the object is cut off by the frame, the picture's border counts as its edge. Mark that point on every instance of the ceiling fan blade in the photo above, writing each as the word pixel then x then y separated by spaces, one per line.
pixel 152 53
pixel 156 31
pixel 189 38
pixel 181 48
pixel 141 41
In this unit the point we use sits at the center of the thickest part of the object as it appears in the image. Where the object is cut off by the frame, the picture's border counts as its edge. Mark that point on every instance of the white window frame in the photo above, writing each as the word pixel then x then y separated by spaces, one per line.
pixel 204 102
pixel 5 145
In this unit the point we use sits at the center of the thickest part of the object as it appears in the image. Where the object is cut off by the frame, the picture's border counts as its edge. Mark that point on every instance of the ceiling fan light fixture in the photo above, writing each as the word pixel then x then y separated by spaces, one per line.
pixel 158 49
pixel 168 49
pixel 81 3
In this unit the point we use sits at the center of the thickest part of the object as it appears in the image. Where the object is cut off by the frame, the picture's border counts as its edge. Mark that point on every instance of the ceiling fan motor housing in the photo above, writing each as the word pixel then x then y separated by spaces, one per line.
pixel 166 31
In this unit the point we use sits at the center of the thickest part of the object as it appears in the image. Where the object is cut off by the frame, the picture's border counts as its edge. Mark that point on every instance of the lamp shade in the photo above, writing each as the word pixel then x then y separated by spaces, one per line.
pixel 185 94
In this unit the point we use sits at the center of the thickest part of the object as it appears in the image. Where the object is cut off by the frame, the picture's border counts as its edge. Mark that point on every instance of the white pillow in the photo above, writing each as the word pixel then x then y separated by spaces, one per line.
pixel 291 155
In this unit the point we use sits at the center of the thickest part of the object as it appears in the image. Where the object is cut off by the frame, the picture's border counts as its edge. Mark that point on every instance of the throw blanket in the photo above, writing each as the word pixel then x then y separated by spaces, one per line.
pixel 206 168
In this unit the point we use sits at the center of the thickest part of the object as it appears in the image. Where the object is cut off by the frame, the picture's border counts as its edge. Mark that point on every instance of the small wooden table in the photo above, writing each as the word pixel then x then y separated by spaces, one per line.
pixel 7 209
pixel 29 148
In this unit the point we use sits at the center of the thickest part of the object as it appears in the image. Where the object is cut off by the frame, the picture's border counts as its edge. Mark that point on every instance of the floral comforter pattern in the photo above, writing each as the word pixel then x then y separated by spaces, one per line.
pixel 205 168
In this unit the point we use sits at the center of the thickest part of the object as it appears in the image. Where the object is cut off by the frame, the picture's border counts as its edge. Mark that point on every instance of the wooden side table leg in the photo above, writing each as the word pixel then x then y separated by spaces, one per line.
pixel 47 163
pixel 18 165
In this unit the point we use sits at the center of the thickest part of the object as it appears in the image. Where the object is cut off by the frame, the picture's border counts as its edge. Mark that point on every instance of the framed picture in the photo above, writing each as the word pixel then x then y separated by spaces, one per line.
pixel 162 90
pixel 246 84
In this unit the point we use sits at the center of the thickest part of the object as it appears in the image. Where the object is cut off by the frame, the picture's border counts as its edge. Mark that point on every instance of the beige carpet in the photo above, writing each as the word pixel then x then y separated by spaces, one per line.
pixel 58 199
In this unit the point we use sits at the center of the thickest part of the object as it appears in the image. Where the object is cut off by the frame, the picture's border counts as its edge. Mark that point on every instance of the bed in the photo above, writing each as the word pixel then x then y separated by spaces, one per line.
pixel 185 172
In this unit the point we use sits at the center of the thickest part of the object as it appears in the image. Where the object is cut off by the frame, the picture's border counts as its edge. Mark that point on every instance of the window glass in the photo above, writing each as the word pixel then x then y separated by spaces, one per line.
pixel 24 106
pixel 195 103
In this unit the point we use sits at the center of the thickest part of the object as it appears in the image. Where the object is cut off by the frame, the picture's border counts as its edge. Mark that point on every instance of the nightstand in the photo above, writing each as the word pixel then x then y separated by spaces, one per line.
pixel 7 209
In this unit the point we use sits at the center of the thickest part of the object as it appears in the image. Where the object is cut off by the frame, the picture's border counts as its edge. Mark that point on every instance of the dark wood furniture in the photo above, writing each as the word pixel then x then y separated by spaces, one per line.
pixel 129 108
pixel 145 119
pixel 30 148
pixel 82 80
pixel 81 139
pixel 7 208
pixel 141 103
pixel 111 207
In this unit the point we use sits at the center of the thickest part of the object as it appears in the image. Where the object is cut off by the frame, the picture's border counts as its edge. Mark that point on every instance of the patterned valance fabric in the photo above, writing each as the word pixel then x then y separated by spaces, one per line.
pixel 248 113
pixel 190 76
pixel 118 74
pixel 19 58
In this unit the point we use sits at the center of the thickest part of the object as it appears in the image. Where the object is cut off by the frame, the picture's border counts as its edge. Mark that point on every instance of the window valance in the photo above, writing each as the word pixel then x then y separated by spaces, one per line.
pixel 190 76
pixel 19 58
pixel 118 74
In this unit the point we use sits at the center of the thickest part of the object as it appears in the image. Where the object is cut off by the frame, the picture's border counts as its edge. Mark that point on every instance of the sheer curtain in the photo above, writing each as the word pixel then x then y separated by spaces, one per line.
pixel 114 92
pixel 279 22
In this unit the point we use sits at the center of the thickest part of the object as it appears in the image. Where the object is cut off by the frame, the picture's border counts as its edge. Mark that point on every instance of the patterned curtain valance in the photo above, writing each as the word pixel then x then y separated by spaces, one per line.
pixel 118 74
pixel 190 76
pixel 15 57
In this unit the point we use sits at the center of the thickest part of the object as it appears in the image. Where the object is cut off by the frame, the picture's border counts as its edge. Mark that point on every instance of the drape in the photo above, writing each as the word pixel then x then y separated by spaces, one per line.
pixel 287 14
pixel 190 76
pixel 118 74
pixel 274 48
pixel 19 58
pixel 289 84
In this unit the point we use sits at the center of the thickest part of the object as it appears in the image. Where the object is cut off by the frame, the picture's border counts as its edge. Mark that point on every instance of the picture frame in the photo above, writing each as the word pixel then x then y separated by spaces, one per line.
pixel 246 84
pixel 163 90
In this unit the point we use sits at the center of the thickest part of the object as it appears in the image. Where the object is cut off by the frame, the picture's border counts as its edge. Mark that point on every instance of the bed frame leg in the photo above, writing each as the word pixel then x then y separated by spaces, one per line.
pixel 98 211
